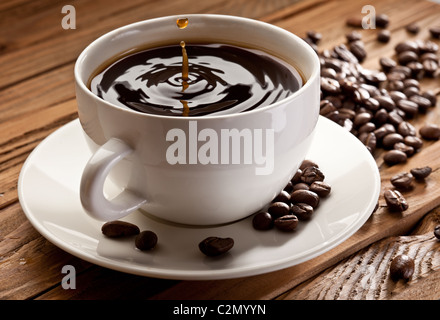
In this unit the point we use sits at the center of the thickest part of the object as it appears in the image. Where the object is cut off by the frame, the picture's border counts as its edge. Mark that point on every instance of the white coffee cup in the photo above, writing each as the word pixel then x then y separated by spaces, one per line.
pixel 133 149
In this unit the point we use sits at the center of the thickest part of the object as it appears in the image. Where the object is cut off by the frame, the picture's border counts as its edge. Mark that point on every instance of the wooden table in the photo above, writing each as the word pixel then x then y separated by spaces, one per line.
pixel 37 96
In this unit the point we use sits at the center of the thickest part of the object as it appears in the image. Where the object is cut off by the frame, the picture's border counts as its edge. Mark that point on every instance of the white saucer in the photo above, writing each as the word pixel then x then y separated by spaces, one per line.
pixel 48 192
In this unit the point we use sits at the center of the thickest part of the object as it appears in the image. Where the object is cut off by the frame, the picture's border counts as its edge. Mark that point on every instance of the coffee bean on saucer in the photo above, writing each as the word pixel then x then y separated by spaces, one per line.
pixel 286 223
pixel 312 174
pixel 115 229
pixel 146 240
pixel 278 209
pixel 283 196
pixel 305 196
pixel 301 186
pixel 395 200
pixel 437 231
pixel 262 221
pixel 430 131
pixel 402 267
pixel 393 157
pixel 297 176
pixel 402 180
pixel 302 210
pixel 321 188
pixel 215 246
pixel 307 163
pixel 421 173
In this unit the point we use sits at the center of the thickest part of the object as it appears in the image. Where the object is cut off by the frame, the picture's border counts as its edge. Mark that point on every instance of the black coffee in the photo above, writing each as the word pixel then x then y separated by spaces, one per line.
pixel 219 79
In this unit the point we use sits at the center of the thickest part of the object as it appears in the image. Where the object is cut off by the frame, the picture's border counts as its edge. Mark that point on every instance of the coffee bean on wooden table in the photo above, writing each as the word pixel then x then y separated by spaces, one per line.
pixel 430 131
pixel 435 32
pixel 402 267
pixel 286 223
pixel 382 20
pixel 215 246
pixel 421 173
pixel 437 231
pixel 402 180
pixel 262 221
pixel 146 240
pixel 414 142
pixel 117 228
pixel 393 157
pixel 412 28
pixel 355 22
pixel 395 200
pixel 384 36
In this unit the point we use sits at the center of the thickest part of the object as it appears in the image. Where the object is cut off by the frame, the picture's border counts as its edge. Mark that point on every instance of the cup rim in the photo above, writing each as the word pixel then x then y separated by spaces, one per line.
pixel 313 77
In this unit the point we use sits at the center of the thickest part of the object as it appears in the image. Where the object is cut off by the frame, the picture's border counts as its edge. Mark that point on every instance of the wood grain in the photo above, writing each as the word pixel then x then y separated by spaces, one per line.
pixel 37 97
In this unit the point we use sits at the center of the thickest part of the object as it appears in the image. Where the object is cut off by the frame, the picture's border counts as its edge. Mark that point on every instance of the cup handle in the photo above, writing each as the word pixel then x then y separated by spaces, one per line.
pixel 92 195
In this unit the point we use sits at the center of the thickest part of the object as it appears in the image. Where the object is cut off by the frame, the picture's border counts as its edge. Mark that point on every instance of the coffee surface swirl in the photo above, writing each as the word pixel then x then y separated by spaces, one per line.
pixel 222 79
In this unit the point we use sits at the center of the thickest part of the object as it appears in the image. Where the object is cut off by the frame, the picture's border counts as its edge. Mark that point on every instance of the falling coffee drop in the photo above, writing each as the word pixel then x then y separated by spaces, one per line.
pixel 182 23
pixel 184 66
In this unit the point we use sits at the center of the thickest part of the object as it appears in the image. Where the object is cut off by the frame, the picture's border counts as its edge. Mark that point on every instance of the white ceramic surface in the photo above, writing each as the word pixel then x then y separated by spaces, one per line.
pixel 48 191
pixel 135 154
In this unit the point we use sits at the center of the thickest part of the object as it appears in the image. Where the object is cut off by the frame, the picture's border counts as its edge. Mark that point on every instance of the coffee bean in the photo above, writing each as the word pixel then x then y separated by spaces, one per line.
pixel 286 223
pixel 406 129
pixel 413 141
pixel 384 36
pixel 382 20
pixel 402 267
pixel 330 85
pixel 421 173
pixel 115 229
pixel 305 196
pixel 386 102
pixel 407 45
pixel 262 221
pixel 307 163
pixel 355 22
pixel 215 246
pixel 289 187
pixel 427 46
pixel 394 118
pixel 353 36
pixel 283 196
pixel 369 140
pixel 302 210
pixel 422 102
pixel 301 186
pixel 391 139
pixel 345 54
pixel 278 209
pixel 395 200
pixel 435 32
pixel 412 28
pixel 430 95
pixel 430 131
pixel 146 240
pixel 429 56
pixel 416 69
pixel 406 57
pixel 358 50
pixel 312 174
pixel 321 188
pixel 296 177
pixel 314 36
pixel 430 67
pixel 387 64
pixel 409 107
pixel 408 150
pixel 402 180
pixel 393 157
pixel 437 231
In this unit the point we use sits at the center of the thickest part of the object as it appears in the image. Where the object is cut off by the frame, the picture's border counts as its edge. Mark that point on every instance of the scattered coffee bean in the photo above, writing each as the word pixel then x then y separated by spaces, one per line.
pixel 437 231
pixel 430 131
pixel 115 229
pixel 402 180
pixel 421 173
pixel 305 196
pixel 286 223
pixel 321 188
pixel 395 200
pixel 387 64
pixel 384 36
pixel 146 240
pixel 355 22
pixel 283 196
pixel 402 267
pixel 353 36
pixel 435 32
pixel 314 36
pixel 414 142
pixel 408 150
pixel 412 28
pixel 312 174
pixel 391 139
pixel 302 210
pixel 278 209
pixel 393 157
pixel 262 221
pixel 382 20
pixel 215 246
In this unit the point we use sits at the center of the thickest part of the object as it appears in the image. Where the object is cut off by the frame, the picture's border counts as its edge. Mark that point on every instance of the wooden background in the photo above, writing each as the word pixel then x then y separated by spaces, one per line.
pixel 37 97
